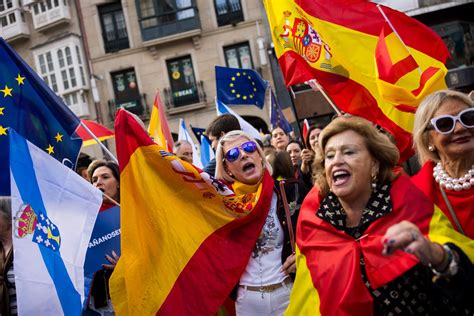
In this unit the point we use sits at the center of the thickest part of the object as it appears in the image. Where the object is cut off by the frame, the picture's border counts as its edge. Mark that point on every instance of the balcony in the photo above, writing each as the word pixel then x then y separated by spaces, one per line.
pixel 137 106
pixel 50 14
pixel 185 100
pixel 170 26
pixel 229 12
pixel 14 26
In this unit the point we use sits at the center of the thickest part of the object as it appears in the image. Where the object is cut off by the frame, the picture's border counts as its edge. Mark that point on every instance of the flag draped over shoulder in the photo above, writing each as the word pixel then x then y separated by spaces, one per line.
pixel 54 211
pixel 29 106
pixel 186 237
pixel 240 86
pixel 328 276
pixel 367 70
pixel 158 128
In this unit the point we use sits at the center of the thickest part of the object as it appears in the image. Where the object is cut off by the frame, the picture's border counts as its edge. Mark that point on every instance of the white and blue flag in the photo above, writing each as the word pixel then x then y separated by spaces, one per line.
pixel 207 154
pixel 183 133
pixel 54 211
pixel 221 108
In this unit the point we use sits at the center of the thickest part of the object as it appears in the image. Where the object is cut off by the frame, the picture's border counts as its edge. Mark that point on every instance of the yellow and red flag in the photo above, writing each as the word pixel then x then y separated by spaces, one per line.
pixel 158 128
pixel 366 68
pixel 100 131
pixel 186 238
pixel 328 276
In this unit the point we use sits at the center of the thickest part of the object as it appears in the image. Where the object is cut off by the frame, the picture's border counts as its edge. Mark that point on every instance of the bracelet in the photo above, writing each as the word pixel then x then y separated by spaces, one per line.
pixel 451 267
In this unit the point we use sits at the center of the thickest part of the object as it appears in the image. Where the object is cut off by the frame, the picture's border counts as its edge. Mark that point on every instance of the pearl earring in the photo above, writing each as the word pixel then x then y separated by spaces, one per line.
pixel 431 148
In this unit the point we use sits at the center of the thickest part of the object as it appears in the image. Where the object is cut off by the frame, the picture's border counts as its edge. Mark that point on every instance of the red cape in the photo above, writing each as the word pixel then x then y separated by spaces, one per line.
pixel 333 257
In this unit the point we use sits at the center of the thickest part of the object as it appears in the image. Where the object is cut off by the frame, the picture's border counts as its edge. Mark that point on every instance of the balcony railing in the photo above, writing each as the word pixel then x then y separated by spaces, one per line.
pixel 116 45
pixel 185 97
pixel 170 23
pixel 137 106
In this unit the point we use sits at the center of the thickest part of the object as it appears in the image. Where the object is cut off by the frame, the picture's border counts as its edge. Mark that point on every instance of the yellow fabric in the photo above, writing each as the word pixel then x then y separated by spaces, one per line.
pixel 442 231
pixel 164 220
pixel 155 129
pixel 351 54
pixel 93 142
pixel 304 298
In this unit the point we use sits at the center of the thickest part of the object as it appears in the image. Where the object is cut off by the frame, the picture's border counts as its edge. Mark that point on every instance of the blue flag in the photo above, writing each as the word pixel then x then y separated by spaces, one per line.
pixel 277 119
pixel 240 86
pixel 198 132
pixel 54 212
pixel 30 107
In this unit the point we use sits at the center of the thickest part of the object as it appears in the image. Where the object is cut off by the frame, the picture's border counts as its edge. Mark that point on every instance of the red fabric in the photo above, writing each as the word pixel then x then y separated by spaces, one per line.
pixel 388 71
pixel 363 16
pixel 228 250
pixel 125 148
pixel 350 96
pixel 97 129
pixel 333 256
pixel 105 206
pixel 462 201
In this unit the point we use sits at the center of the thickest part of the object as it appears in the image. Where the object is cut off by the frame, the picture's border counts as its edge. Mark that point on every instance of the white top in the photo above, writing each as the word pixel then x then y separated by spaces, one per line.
pixel 265 262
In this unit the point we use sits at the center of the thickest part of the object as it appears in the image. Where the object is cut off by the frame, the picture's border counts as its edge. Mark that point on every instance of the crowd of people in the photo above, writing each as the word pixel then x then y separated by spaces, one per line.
pixel 369 239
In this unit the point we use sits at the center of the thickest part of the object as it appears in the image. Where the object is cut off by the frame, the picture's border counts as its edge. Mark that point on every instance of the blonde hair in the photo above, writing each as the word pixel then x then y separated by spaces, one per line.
pixel 220 163
pixel 423 116
pixel 379 145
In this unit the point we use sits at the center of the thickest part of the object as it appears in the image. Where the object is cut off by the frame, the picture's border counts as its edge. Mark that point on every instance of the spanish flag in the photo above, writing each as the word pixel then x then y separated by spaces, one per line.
pixel 370 66
pixel 186 237
pixel 328 277
pixel 158 128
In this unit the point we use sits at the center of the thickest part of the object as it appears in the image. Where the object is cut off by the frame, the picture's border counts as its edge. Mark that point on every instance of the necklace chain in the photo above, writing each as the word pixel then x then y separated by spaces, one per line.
pixel 457 184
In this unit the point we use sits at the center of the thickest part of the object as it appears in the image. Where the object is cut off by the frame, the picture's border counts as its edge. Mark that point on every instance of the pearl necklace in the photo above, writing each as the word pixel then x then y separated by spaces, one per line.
pixel 457 184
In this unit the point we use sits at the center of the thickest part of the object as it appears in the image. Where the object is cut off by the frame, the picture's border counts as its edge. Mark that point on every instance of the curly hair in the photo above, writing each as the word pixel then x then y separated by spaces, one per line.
pixel 380 147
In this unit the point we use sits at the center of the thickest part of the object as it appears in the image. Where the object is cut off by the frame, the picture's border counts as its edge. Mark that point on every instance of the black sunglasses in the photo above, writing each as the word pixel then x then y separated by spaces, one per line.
pixel 234 153
pixel 444 124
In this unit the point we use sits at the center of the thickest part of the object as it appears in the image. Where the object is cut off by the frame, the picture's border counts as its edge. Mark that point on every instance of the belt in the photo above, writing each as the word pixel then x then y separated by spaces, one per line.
pixel 267 288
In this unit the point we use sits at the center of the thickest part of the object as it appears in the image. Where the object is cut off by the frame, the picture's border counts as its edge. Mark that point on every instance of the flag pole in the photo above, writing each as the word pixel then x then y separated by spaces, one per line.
pixel 395 31
pixel 99 142
pixel 293 97
pixel 314 84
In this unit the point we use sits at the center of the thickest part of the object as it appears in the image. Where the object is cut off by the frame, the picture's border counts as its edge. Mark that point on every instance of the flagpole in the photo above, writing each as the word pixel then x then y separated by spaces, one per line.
pixel 395 31
pixel 99 142
pixel 314 84
pixel 293 97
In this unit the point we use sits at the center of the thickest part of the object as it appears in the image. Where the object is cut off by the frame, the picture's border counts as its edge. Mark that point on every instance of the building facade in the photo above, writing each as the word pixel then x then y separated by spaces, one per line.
pixel 137 48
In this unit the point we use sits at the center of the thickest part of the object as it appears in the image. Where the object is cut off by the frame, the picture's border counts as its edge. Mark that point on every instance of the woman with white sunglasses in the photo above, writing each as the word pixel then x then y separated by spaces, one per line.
pixel 444 139
pixel 265 285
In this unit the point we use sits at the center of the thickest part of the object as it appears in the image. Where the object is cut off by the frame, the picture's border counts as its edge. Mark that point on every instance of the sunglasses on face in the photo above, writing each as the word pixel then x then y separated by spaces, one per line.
pixel 234 153
pixel 444 124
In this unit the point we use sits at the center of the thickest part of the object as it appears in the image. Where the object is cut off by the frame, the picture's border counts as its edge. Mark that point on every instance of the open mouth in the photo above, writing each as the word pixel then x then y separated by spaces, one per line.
pixel 248 167
pixel 340 177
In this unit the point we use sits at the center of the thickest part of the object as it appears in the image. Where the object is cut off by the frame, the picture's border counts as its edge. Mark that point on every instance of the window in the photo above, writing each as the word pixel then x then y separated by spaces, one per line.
pixel 114 29
pixel 126 91
pixel 44 6
pixel 183 83
pixel 155 12
pixel 228 12
pixel 238 56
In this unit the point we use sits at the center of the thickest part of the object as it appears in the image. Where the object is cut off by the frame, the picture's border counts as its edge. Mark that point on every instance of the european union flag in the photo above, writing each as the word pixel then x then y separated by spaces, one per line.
pixel 277 119
pixel 198 132
pixel 240 86
pixel 30 107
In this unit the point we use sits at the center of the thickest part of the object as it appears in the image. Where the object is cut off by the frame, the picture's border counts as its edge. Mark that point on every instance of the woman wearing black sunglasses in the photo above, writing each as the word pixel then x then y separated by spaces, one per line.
pixel 444 139
pixel 265 285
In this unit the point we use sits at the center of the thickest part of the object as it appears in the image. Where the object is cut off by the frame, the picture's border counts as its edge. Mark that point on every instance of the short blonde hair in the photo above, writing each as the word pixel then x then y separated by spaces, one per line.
pixel 379 145
pixel 423 116
pixel 220 163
